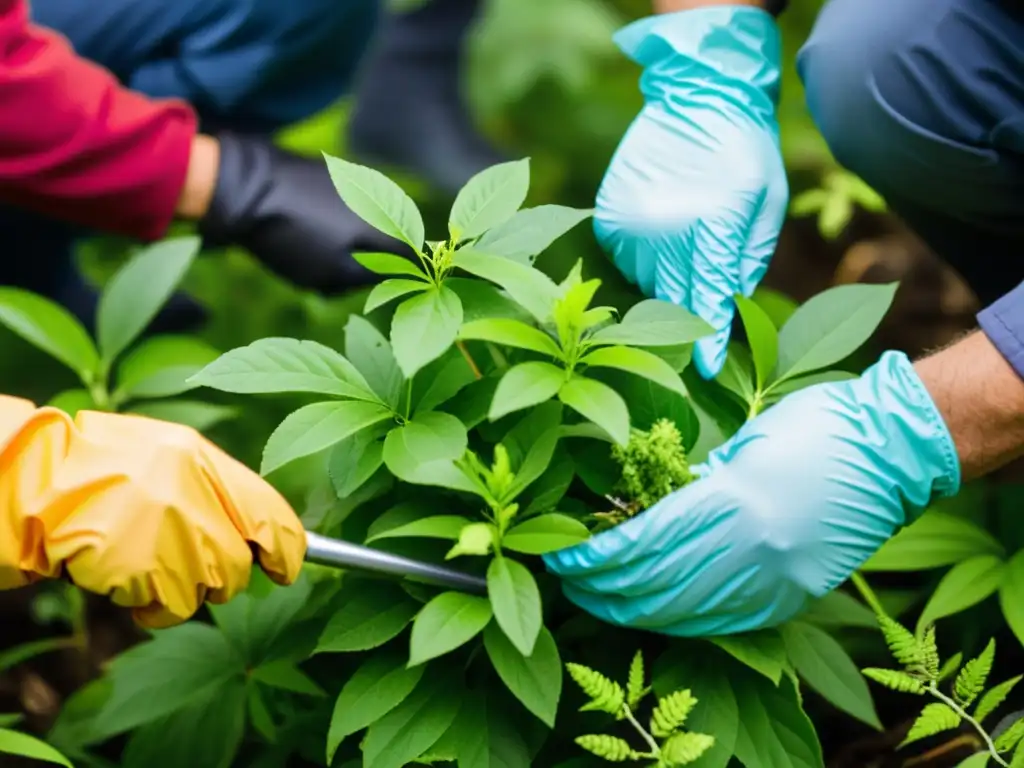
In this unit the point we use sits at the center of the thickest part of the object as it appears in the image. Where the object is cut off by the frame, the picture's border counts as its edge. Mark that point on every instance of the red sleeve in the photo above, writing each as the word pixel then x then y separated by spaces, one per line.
pixel 76 145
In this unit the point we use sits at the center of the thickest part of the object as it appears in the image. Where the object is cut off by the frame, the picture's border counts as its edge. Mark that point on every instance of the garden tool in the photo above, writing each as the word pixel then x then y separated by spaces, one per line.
pixel 343 554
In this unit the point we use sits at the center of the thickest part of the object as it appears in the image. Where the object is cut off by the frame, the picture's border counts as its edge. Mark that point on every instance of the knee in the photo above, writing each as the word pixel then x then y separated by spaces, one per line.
pixel 904 96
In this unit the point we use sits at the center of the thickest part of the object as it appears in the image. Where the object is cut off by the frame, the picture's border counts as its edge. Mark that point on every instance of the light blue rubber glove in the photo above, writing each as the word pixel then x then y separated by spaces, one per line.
pixel 692 203
pixel 783 512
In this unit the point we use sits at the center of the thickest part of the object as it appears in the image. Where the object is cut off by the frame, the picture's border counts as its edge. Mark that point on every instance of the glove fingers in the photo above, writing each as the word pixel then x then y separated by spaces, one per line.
pixel 764 233
pixel 704 280
pixel 260 514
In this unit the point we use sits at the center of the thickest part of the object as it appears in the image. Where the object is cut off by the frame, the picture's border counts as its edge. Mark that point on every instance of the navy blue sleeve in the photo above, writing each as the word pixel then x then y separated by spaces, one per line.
pixel 1003 323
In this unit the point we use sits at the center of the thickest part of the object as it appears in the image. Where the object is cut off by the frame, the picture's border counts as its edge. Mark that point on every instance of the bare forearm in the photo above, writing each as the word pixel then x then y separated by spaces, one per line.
pixel 671 6
pixel 981 398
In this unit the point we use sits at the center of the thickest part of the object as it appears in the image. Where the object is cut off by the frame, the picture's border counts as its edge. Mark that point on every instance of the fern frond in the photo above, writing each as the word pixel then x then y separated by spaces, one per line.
pixel 1011 737
pixel 950 666
pixel 971 680
pixel 671 713
pixel 1018 758
pixel 901 641
pixel 930 653
pixel 635 690
pixel 894 679
pixel 934 718
pixel 685 748
pixel 610 748
pixel 996 696
pixel 605 695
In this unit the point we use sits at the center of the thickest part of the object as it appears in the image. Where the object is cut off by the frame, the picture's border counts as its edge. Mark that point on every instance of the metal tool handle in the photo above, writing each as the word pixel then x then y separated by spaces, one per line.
pixel 344 554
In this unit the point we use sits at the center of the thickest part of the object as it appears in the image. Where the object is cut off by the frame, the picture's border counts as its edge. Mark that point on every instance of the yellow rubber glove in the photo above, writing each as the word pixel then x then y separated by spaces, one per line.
pixel 147 512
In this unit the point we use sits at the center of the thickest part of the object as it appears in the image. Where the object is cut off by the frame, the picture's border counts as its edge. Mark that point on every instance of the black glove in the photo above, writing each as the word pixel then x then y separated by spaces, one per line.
pixel 284 209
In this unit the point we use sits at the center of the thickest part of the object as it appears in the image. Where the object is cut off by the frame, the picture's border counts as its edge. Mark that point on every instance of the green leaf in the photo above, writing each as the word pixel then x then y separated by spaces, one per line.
pixel 448 381
pixel 474 539
pixel 71 401
pixel 380 684
pixel 737 374
pixel 547 533
pixel 283 674
pixel 371 615
pixel 259 716
pixel 516 601
pixel 991 701
pixel 979 760
pixel 392 264
pixel 827 668
pixel 530 231
pixel 972 678
pixel 639 362
pixel 966 584
pixel 531 289
pixel 424 327
pixel 536 462
pixel 935 540
pixel 390 290
pixel 481 300
pixel 895 680
pixel 934 718
pixel 1010 737
pixel 511 333
pixel 185 664
pixel 525 385
pixel 717 712
pixel 208 733
pixel 763 651
pixel 316 427
pixel 254 620
pixel 636 688
pixel 377 200
pixel 1011 595
pixel 428 439
pixel 411 728
pixel 490 198
pixel 192 413
pixel 161 366
pixel 284 365
pixel 831 326
pixel 839 609
pixel 550 488
pixel 599 403
pixel 448 621
pixel 16 743
pixel 355 460
pixel 48 326
pixel 782 388
pixel 654 323
pixel 436 527
pixel 536 680
pixel 774 730
pixel 762 338
pixel 371 354
pixel 487 738
pixel 138 290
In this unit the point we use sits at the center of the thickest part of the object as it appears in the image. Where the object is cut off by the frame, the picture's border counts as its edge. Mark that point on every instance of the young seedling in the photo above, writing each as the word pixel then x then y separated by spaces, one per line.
pixel 666 743
pixel 922 673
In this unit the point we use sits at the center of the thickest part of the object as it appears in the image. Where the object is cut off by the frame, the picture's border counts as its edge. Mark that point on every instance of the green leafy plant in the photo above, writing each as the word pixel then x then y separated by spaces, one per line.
pixel 835 200
pixel 483 411
pixel 115 375
pixel 923 671
pixel 665 741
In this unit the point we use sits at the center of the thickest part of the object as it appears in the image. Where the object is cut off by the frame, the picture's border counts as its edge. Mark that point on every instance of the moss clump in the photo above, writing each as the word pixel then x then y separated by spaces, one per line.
pixel 653 465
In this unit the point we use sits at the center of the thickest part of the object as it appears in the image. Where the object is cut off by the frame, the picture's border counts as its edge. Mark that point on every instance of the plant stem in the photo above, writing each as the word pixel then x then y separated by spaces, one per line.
pixel 469 359
pixel 867 593
pixel 933 689
pixel 651 743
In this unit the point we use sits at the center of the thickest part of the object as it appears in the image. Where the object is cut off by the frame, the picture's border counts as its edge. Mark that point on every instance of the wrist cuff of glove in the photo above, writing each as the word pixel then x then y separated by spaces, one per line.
pixel 242 164
pixel 740 45
pixel 914 423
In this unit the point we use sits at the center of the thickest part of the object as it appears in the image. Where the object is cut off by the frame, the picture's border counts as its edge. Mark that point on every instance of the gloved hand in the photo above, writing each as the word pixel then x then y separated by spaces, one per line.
pixel 284 209
pixel 147 512
pixel 692 203
pixel 783 512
